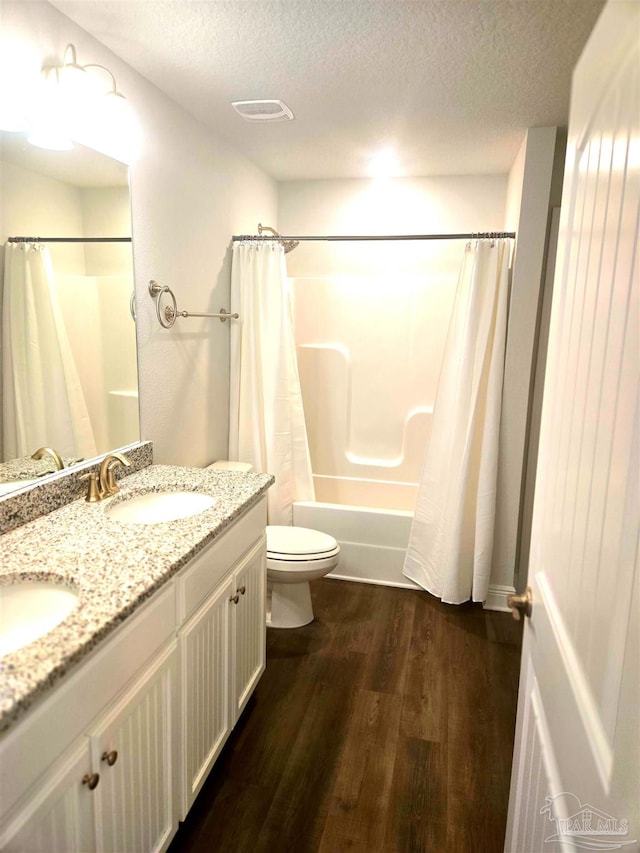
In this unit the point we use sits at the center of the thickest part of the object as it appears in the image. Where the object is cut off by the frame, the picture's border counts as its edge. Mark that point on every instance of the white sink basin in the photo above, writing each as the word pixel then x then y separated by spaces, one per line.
pixel 30 609
pixel 156 507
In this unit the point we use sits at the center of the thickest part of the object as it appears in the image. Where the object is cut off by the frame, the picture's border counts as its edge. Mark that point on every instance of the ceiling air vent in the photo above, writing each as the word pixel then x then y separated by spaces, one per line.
pixel 263 110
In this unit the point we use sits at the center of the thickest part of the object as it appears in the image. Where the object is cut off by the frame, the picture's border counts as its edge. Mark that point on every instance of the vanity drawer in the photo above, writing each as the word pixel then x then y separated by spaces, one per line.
pixel 206 570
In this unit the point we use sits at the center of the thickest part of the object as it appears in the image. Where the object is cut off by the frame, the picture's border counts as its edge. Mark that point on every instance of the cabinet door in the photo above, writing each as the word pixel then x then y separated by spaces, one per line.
pixel 249 626
pixel 205 673
pixel 58 816
pixel 132 750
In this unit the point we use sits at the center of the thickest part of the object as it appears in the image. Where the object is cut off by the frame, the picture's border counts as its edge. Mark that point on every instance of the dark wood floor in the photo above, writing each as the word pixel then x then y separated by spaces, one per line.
pixel 385 725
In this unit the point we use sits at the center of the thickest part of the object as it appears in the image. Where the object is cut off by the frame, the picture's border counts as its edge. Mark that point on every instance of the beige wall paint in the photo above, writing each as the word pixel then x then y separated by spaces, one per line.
pixel 190 193
pixel 33 204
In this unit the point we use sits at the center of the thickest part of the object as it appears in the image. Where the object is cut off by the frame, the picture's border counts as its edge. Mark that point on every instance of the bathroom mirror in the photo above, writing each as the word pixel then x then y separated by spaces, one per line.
pixel 69 364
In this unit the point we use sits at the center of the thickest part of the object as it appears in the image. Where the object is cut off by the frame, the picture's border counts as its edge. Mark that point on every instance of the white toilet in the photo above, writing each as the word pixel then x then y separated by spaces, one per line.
pixel 295 556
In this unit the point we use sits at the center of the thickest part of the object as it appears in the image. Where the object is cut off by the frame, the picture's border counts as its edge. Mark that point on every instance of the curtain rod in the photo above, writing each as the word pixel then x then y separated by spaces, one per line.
pixel 69 239
pixel 475 235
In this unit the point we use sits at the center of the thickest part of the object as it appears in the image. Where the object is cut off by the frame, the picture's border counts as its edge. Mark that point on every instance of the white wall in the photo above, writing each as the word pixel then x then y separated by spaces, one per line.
pixel 530 199
pixel 190 193
pixel 34 204
pixel 397 206
pixel 106 212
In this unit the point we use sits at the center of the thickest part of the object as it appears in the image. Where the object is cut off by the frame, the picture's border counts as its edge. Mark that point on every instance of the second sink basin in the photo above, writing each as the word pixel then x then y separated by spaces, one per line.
pixel 30 609
pixel 156 507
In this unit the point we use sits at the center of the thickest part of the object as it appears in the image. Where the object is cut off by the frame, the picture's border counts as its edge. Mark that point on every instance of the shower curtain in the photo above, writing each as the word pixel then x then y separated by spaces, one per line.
pixel 42 399
pixel 266 423
pixel 451 541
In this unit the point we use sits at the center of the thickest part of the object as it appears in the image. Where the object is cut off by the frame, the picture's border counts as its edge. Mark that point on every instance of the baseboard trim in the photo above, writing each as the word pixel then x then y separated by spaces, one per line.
pixel 497 597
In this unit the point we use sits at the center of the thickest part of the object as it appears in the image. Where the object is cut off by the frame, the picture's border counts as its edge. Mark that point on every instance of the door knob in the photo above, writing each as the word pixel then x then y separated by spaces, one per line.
pixel 235 599
pixel 521 604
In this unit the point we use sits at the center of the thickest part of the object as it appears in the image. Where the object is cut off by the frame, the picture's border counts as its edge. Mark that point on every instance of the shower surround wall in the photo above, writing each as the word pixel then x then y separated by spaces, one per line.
pixel 371 324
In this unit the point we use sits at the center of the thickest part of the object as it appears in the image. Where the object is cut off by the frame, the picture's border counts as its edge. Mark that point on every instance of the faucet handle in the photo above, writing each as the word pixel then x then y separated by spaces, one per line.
pixel 93 492
pixel 110 485
pixel 106 477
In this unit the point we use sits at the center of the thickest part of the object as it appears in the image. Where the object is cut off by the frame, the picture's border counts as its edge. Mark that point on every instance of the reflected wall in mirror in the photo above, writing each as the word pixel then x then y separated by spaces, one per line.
pixel 69 368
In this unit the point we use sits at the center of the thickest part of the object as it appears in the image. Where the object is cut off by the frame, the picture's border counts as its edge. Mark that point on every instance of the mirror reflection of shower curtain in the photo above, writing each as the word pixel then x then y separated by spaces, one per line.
pixel 451 542
pixel 42 400
pixel 266 421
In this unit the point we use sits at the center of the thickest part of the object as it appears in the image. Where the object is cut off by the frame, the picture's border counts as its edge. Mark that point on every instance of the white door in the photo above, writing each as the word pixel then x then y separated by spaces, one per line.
pixel 575 782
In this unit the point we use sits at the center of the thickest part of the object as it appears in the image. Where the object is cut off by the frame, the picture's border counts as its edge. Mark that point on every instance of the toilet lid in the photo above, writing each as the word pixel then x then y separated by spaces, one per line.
pixel 292 542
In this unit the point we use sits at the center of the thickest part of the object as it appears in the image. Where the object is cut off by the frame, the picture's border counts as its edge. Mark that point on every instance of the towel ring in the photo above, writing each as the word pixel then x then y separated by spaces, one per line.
pixel 171 311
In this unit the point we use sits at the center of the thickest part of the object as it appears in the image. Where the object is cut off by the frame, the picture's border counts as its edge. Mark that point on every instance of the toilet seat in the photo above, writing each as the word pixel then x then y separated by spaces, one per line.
pixel 299 544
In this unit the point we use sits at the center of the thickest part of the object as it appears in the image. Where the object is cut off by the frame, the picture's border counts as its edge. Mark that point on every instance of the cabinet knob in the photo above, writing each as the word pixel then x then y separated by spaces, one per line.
pixel 91 780
pixel 242 590
pixel 109 757
pixel 235 599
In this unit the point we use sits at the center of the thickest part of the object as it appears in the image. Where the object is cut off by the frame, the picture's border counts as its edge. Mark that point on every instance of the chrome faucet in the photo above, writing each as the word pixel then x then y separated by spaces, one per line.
pixel 49 451
pixel 107 485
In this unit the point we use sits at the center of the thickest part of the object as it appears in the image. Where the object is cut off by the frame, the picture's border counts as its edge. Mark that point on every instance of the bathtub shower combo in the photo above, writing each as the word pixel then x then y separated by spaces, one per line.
pixel 369 344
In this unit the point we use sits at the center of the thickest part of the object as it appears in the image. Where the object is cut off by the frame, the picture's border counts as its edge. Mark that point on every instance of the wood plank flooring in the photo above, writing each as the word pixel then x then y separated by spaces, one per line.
pixel 385 726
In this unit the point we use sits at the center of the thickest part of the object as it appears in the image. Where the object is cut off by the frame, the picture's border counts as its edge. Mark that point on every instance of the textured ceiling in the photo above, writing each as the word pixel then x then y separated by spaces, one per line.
pixel 452 85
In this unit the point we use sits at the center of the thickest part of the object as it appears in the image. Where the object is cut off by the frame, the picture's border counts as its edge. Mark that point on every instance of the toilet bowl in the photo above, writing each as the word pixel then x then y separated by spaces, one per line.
pixel 295 556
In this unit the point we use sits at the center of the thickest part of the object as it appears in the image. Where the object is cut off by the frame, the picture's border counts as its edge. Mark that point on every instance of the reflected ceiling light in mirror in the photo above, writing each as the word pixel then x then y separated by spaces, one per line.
pixel 16 86
pixel 385 164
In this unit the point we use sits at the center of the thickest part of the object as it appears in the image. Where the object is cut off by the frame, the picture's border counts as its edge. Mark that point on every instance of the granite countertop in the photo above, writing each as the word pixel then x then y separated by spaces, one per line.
pixel 113 566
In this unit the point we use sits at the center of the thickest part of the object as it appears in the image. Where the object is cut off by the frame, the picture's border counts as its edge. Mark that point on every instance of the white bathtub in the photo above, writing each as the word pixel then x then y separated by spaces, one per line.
pixel 373 542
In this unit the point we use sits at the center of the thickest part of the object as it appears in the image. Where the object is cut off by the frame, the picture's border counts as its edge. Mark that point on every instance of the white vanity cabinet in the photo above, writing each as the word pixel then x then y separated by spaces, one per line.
pixel 113 757
pixel 248 626
pixel 124 695
pixel 59 816
pixel 132 748
pixel 222 648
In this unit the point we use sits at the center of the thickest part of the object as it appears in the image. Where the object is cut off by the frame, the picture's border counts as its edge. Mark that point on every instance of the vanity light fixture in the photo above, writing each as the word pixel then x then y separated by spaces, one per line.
pixel 75 102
